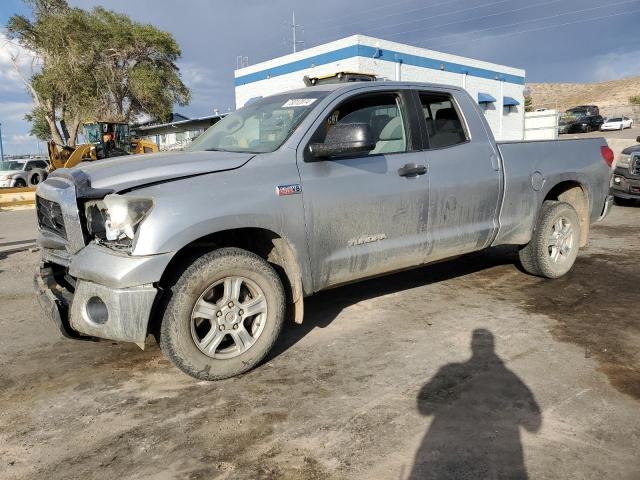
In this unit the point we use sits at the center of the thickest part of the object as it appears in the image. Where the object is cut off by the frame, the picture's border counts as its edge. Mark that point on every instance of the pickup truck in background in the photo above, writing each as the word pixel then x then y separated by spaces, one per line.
pixel 298 192
pixel 625 186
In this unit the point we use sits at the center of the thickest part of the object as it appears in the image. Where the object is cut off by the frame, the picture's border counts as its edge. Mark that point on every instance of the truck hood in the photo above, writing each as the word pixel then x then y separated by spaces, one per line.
pixel 131 171
pixel 632 149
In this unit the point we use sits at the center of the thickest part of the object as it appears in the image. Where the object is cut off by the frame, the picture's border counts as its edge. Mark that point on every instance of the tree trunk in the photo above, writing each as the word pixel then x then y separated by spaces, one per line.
pixel 65 131
pixel 50 117
pixel 63 122
pixel 75 127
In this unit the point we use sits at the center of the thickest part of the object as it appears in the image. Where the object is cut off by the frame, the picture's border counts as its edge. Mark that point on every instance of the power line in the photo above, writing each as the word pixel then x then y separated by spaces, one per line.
pixel 549 17
pixel 484 37
pixel 472 19
pixel 379 7
pixel 416 10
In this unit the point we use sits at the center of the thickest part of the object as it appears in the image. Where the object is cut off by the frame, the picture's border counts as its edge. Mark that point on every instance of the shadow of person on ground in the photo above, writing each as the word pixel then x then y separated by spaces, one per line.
pixel 478 408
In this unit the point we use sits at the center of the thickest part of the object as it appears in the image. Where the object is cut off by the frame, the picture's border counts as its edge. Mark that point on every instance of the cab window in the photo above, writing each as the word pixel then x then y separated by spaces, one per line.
pixel 444 125
pixel 383 113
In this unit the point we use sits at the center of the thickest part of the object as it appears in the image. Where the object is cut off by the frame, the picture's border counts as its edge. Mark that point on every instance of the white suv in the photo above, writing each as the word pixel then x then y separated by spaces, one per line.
pixel 15 173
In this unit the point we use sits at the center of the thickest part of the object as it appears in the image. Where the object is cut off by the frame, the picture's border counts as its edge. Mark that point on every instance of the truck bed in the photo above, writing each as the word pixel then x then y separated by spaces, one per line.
pixel 537 167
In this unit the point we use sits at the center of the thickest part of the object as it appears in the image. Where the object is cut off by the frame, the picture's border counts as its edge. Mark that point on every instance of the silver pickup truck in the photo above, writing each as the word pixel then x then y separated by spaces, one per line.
pixel 208 249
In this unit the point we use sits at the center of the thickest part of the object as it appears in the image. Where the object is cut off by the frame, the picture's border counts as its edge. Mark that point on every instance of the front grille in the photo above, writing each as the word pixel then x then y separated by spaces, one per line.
pixel 635 166
pixel 50 217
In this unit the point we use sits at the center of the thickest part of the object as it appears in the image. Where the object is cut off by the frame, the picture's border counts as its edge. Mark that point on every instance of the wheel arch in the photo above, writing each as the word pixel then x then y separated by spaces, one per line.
pixel 575 194
pixel 267 244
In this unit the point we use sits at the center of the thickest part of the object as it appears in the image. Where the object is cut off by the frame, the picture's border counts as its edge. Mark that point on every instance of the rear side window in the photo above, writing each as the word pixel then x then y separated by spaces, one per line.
pixel 444 125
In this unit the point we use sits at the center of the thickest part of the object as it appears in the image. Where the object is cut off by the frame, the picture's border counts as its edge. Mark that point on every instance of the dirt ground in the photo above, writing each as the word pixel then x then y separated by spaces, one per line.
pixel 465 369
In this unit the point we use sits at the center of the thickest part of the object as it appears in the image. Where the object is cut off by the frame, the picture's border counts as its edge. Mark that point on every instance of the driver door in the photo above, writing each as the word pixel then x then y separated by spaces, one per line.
pixel 366 214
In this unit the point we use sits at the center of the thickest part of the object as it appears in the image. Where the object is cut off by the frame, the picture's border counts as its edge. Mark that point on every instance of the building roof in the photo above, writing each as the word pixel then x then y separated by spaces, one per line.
pixel 383 50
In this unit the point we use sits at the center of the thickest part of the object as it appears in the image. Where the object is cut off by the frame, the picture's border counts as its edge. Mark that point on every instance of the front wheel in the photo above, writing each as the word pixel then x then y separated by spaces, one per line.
pixel 223 315
pixel 555 242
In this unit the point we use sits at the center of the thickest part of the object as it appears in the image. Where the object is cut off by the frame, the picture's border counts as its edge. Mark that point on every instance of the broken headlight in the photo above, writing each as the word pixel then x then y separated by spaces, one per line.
pixel 115 220
pixel 124 215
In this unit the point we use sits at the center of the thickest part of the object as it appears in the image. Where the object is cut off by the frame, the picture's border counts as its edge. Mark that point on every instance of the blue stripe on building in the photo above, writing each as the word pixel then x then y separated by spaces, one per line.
pixel 380 54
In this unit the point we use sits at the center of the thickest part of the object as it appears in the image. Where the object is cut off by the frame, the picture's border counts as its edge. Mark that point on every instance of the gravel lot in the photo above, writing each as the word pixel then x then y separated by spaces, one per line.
pixel 468 367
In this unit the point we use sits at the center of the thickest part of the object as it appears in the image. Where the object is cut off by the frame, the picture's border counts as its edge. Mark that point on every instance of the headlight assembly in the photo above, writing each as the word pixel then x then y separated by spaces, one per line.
pixel 124 215
pixel 624 161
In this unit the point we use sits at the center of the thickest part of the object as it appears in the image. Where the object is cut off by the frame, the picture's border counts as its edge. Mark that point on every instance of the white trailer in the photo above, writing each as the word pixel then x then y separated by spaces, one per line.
pixel 498 89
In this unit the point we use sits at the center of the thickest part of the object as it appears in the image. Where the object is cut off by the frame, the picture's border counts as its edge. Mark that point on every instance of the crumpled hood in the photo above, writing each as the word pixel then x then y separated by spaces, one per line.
pixel 130 171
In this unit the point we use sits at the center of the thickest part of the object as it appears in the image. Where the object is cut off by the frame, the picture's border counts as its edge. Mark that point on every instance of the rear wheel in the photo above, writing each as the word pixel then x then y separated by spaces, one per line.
pixel 554 245
pixel 224 314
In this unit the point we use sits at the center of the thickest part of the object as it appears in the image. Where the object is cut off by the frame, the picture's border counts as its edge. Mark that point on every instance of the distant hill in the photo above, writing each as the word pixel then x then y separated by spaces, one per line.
pixel 607 95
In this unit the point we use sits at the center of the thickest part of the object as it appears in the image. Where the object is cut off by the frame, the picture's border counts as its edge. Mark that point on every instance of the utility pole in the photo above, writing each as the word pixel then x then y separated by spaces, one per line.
pixel 1 150
pixel 294 29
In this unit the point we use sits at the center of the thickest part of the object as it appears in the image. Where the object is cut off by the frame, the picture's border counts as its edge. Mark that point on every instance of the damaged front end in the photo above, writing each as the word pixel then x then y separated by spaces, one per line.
pixel 88 284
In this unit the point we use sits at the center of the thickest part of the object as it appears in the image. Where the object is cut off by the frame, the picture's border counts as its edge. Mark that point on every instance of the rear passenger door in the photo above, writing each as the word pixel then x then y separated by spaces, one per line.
pixel 464 175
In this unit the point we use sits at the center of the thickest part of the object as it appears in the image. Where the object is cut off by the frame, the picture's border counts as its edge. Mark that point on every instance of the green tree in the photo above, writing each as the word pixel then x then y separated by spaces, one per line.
pixel 634 100
pixel 528 103
pixel 95 65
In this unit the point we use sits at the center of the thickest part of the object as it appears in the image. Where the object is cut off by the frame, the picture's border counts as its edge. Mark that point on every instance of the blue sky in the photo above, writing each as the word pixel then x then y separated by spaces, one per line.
pixel 554 41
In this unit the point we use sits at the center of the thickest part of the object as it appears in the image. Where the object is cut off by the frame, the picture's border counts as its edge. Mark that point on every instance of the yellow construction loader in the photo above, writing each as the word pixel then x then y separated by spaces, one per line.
pixel 103 140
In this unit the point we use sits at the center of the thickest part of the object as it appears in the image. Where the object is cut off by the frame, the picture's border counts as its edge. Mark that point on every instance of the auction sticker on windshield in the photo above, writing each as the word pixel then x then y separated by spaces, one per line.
pixel 299 102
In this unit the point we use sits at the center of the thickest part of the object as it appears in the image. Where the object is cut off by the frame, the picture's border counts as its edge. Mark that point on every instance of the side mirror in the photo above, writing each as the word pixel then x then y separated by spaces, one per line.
pixel 344 138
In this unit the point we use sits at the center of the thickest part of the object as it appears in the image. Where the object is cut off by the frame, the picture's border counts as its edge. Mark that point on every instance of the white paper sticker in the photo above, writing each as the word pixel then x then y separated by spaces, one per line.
pixel 299 102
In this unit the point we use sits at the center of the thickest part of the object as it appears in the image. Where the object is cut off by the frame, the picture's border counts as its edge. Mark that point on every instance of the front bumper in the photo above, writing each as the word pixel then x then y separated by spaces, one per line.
pixel 6 183
pixel 69 307
pixel 624 187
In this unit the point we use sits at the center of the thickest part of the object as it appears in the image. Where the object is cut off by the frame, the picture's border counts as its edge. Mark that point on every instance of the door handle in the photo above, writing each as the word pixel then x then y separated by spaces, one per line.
pixel 412 170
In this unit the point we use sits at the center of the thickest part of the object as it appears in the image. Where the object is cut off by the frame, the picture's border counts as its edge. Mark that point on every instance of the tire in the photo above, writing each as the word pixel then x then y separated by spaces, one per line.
pixel 222 283
pixel 540 258
pixel 36 176
pixel 20 183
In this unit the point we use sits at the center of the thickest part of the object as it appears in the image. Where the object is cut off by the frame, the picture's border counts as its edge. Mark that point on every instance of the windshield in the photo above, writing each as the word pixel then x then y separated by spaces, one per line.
pixel 261 127
pixel 614 120
pixel 6 166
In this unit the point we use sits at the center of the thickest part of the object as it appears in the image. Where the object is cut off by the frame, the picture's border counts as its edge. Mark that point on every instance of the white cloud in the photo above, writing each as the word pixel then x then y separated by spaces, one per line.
pixel 14 111
pixel 22 139
pixel 10 79
pixel 616 65
pixel 193 74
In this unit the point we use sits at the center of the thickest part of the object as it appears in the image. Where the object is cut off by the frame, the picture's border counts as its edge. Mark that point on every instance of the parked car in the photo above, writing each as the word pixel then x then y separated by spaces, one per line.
pixel 625 185
pixel 21 173
pixel 616 123
pixel 584 110
pixel 586 124
pixel 293 194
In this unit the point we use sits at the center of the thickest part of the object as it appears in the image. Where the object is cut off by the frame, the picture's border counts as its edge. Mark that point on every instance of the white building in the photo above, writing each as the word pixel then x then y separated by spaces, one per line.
pixel 498 88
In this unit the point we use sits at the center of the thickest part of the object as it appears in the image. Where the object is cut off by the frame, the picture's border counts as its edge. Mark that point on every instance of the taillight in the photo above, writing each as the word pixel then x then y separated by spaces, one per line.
pixel 607 155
